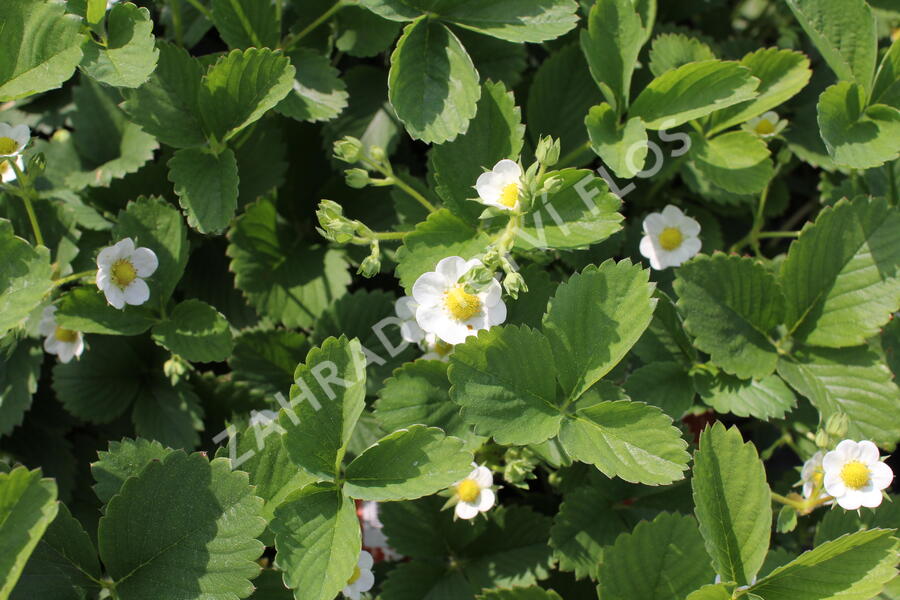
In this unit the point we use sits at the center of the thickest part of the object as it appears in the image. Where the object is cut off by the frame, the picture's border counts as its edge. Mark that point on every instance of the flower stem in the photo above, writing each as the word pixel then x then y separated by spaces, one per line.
pixel 412 192
pixel 293 40
pixel 777 234
pixel 73 277
pixel 29 208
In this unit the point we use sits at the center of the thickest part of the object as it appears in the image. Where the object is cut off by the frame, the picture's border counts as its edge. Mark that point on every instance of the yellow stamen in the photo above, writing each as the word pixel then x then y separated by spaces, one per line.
pixel 462 305
pixel 442 348
pixel 8 145
pixel 123 273
pixel 356 575
pixel 66 335
pixel 670 238
pixel 468 490
pixel 510 195
pixel 855 475
pixel 4 166
pixel 765 127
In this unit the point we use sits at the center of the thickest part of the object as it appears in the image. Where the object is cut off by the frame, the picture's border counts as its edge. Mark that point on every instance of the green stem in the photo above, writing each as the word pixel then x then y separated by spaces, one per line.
pixel 292 40
pixel 73 277
pixel 788 501
pixel 777 234
pixel 412 192
pixel 893 184
pixel 202 9
pixel 29 208
pixel 176 20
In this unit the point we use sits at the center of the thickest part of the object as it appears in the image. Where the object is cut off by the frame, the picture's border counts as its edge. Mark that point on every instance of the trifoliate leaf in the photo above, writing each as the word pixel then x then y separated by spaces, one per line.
pixel 693 91
pixel 123 460
pixel 505 381
pixel 24 277
pixel 246 23
pixel 203 528
pixel 853 381
pixel 129 56
pixel 196 332
pixel 20 369
pixel 623 148
pixel 27 506
pixel 318 94
pixel 39 49
pixel 85 309
pixel 731 304
pixel 594 319
pixel 842 276
pixel 738 162
pixel 326 402
pixel 427 57
pixel 318 541
pixel 495 133
pixel 362 33
pixel 611 43
pixel 663 384
pixel 672 50
pixel 207 187
pixel 767 398
pixel 670 547
pixel 733 503
pixel 407 464
pixel 853 567
pixel 282 276
pixel 856 135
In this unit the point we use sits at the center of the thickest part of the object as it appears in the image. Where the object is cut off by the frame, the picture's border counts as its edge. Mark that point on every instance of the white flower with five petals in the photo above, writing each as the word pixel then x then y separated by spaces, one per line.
pixel 670 238
pixel 121 270
pixel 474 494
pixel 855 475
pixel 362 579
pixel 12 142
pixel 447 310
pixel 766 125
pixel 502 186
pixel 64 343
pixel 434 347
pixel 811 475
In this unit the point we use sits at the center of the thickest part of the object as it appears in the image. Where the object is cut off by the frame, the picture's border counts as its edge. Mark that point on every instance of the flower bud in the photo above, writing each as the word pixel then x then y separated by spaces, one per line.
pixel 837 425
pixel 377 154
pixel 36 164
pixel 348 149
pixel 514 284
pixel 334 225
pixel 552 185
pixel 547 152
pixel 357 178
pixel 370 266
pixel 823 440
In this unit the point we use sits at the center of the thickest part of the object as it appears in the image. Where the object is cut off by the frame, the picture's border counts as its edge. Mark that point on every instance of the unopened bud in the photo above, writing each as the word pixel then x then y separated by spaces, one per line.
pixel 334 225
pixel 478 278
pixel 514 284
pixel 36 164
pixel 837 425
pixel 357 178
pixel 348 149
pixel 547 152
pixel 377 153
pixel 552 185
pixel 823 440
pixel 370 266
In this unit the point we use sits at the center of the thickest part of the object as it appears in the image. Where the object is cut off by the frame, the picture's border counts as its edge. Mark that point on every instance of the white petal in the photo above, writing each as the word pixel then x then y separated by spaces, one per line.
pixel 881 475
pixel 144 262
pixel 495 315
pixel 366 581
pixel 351 592
pixel 648 250
pixel 51 345
pixel 9 174
pixel 833 461
pixel 483 477
pixel 491 295
pixel 689 248
pixel 429 288
pixel 654 224
pixel 411 332
pixel 851 500
pixel 5 130
pixel 107 257
pixel 509 170
pixel 21 134
pixel 870 499
pixel 453 332
pixel 124 248
pixel 464 510
pixel 102 279
pixel 689 227
pixel 365 561
pixel 405 308
pixel 489 187
pixel 79 346
pixel 431 317
pixel 115 296
pixel 452 268
pixel 137 292
pixel 848 449
pixel 486 500
pixel 672 215
pixel 65 352
pixel 48 320
pixel 771 117
pixel 834 485
pixel 868 452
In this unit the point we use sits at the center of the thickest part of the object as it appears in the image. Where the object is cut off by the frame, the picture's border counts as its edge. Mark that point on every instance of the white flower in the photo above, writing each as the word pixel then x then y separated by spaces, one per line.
pixel 435 349
pixel 362 579
pixel 405 309
pixel 447 310
pixel 766 125
pixel 855 476
pixel 121 270
pixel 812 473
pixel 501 187
pixel 474 493
pixel 373 537
pixel 64 343
pixel 12 142
pixel 670 238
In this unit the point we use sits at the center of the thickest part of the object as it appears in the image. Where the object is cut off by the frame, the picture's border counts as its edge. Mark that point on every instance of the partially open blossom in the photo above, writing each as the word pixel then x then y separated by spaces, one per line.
pixel 502 186
pixel 670 238
pixel 362 579
pixel 121 270
pixel 812 475
pixel 855 474
pixel 64 343
pixel 474 494
pixel 373 538
pixel 766 125
pixel 12 142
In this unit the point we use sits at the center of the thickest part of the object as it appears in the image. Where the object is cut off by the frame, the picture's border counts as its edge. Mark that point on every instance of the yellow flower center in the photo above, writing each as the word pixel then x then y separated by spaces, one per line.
pixel 765 127
pixel 123 273
pixel 66 335
pixel 468 490
pixel 442 348
pixel 510 195
pixel 670 238
pixel 8 145
pixel 4 166
pixel 855 475
pixel 462 305
pixel 356 575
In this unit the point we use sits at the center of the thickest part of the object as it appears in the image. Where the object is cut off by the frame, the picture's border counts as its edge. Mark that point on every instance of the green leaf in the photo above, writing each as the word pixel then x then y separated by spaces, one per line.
pixel 94 11
pixel 630 440
pixel 738 162
pixel 398 10
pixel 363 34
pixel 781 73
pixel 611 43
pixel 673 50
pixel 730 305
pixel 663 384
pixel 693 91
pixel 836 523
pixel 408 464
pixel 85 309
pixel 207 187
pixel 581 213
pixel 855 135
pixel 419 392
pixel 669 547
pixel 203 528
pixel 844 32
pixel 20 369
pixel 326 402
pixel 495 133
pixel 239 88
pixel 282 276
pixel 623 148
pixel 196 332
pixel 122 461
pixel 842 275
pixel 318 94
pixel 853 381
pixel 513 20
pixel 153 223
pixel 594 319
pixel 887 80
pixel 24 278
pixel 245 23
pixel 166 106
pixel 61 563
pixel 529 593
pixel 267 358
pixel 441 235
pixel 718 591
pixel 853 567
pixel 733 503
pixel 495 59
pixel 433 83
pixel 504 380
pixel 39 49
pixel 765 399
pixel 318 541
pixel 27 506
pixel 129 56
